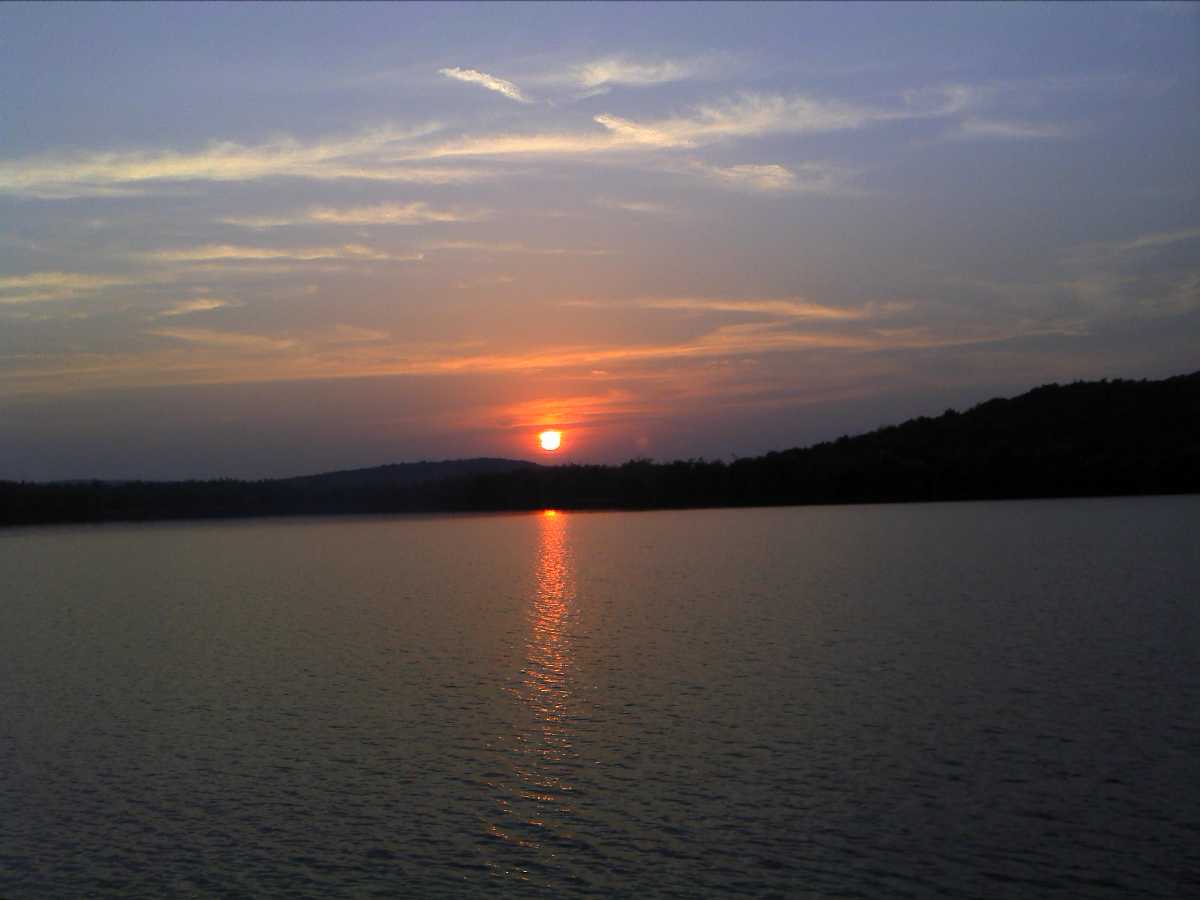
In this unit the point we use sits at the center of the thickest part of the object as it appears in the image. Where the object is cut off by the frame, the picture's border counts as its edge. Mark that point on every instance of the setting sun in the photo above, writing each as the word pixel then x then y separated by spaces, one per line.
pixel 550 440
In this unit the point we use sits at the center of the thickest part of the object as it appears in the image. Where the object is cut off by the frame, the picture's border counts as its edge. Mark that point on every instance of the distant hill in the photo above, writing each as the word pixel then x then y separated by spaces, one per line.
pixel 404 474
pixel 377 489
pixel 1085 438
pixel 1081 439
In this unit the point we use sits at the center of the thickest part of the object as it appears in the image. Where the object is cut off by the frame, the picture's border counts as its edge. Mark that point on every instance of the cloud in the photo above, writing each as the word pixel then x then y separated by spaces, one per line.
pixel 756 177
pixel 627 132
pixel 1141 276
pixel 351 334
pixel 392 214
pixel 58 280
pixel 746 116
pixel 574 410
pixel 220 357
pixel 60 190
pixel 371 155
pixel 1013 130
pixel 391 154
pixel 417 213
pixel 618 70
pixel 225 340
pixel 548 144
pixel 37 287
pixel 382 171
pixel 750 115
pixel 945 100
pixel 1094 254
pixel 722 341
pixel 200 304
pixel 511 247
pixel 808 177
pixel 209 252
pixel 486 282
pixel 1098 283
pixel 728 340
pixel 491 82
pixel 1160 239
pixel 790 308
pixel 633 206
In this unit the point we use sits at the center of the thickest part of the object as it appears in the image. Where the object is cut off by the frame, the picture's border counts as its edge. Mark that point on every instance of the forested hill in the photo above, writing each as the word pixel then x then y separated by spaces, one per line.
pixel 1082 439
pixel 403 474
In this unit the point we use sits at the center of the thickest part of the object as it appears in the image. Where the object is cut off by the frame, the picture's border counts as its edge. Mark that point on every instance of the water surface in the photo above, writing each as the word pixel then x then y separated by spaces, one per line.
pixel 978 699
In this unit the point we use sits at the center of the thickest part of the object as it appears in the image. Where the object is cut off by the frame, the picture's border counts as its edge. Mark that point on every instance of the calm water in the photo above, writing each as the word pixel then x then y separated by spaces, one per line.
pixel 985 699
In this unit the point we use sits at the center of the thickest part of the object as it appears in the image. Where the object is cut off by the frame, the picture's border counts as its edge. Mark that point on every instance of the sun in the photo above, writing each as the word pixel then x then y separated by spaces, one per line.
pixel 550 440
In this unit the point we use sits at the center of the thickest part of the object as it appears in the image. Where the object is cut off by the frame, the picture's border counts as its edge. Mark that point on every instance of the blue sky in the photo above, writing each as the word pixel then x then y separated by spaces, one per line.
pixel 258 240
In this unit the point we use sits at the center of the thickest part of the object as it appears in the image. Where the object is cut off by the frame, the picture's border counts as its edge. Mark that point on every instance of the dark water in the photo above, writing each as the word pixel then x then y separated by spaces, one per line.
pixel 987 700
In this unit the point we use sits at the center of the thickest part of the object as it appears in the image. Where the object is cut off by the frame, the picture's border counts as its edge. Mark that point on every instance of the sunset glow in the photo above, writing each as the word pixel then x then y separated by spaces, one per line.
pixel 429 231
pixel 550 440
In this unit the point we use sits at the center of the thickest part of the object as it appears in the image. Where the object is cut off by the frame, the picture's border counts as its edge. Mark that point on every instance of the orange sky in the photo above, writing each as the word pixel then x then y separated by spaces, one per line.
pixel 250 243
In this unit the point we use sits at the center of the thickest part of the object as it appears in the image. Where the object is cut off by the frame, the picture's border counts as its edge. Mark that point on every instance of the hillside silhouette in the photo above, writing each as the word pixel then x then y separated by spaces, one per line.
pixel 1081 439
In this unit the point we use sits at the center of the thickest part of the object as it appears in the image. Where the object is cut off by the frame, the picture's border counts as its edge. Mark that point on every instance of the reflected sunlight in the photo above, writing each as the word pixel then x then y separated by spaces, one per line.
pixel 548 651
pixel 537 801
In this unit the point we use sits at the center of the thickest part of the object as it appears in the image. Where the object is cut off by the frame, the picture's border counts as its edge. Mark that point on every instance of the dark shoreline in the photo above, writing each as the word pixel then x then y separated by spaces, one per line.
pixel 218 519
pixel 1088 439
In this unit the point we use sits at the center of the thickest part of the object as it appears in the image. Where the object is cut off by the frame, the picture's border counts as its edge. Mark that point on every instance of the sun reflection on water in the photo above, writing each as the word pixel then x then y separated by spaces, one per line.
pixel 546 689
pixel 536 805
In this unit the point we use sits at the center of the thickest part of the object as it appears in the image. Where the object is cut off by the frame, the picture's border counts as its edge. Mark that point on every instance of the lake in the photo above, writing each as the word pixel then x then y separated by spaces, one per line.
pixel 971 700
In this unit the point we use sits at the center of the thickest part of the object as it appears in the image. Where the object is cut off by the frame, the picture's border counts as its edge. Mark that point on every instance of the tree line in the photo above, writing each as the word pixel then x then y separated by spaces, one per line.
pixel 1082 439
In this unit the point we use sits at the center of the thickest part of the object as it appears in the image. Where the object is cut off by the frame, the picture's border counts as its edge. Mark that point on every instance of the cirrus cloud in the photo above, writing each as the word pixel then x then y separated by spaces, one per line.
pixel 612 70
pixel 195 305
pixel 417 213
pixel 483 79
pixel 36 287
pixel 370 156
pixel 210 252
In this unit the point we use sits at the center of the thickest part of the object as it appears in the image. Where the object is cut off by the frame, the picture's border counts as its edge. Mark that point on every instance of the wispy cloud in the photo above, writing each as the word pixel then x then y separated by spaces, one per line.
pixel 55 280
pixel 486 281
pixel 789 308
pixel 491 82
pixel 1160 239
pixel 746 116
pixel 225 340
pixel 196 305
pixel 575 410
pixel 371 155
pixel 353 334
pixel 1146 275
pixel 756 177
pixel 209 252
pixel 616 70
pixel 407 155
pixel 544 144
pixel 1008 129
pixel 727 340
pixel 417 213
pixel 633 206
pixel 808 177
pixel 1097 283
pixel 36 287
pixel 211 356
pixel 512 247
pixel 750 115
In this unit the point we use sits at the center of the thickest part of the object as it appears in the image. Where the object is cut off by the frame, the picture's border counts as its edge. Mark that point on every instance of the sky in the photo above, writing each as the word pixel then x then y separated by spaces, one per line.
pixel 258 240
